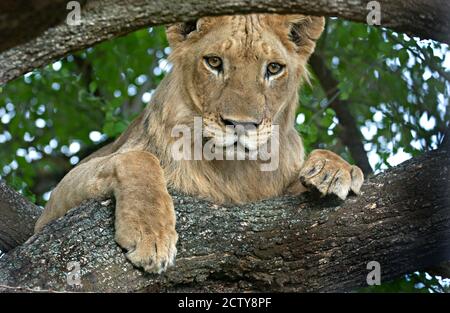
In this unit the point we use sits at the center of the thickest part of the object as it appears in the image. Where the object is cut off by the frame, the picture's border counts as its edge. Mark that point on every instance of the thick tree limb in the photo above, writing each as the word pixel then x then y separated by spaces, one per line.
pixel 17 217
pixel 105 19
pixel 23 20
pixel 401 220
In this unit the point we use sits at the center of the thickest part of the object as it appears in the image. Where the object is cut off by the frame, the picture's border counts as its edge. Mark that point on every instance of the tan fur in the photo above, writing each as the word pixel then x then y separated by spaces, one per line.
pixel 137 167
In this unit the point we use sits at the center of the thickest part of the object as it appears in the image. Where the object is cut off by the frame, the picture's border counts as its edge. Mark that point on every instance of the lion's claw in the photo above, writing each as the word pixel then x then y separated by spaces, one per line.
pixel 330 174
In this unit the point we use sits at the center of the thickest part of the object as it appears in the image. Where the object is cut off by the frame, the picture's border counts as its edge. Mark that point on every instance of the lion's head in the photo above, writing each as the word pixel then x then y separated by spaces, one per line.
pixel 243 71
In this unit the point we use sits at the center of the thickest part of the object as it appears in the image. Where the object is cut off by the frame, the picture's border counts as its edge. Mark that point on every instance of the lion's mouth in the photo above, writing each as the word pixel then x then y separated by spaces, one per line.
pixel 236 146
pixel 235 138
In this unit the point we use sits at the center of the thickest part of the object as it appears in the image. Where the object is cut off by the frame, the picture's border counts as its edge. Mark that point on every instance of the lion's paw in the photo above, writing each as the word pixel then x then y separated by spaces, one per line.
pixel 152 249
pixel 330 174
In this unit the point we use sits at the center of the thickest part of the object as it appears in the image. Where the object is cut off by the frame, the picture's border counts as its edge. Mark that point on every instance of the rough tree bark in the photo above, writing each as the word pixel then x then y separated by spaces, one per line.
pixel 105 19
pixel 22 20
pixel 401 220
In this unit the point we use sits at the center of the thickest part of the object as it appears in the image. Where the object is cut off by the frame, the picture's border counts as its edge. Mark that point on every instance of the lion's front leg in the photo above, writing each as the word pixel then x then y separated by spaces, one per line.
pixel 145 217
pixel 330 174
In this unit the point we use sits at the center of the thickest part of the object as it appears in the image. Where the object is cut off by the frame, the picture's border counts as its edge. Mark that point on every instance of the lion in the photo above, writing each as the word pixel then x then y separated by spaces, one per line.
pixel 239 71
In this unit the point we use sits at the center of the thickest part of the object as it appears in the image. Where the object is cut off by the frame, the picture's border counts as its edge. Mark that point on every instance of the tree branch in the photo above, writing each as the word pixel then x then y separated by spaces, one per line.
pixel 105 19
pixel 401 220
pixel 23 20
pixel 350 134
pixel 17 217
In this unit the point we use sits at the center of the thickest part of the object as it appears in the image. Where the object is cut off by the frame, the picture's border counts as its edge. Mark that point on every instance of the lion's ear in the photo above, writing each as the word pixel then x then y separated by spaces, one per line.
pixel 179 32
pixel 304 31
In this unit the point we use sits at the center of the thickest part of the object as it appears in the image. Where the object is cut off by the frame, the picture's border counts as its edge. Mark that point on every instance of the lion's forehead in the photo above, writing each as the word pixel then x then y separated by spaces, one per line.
pixel 251 50
pixel 245 34
pixel 247 28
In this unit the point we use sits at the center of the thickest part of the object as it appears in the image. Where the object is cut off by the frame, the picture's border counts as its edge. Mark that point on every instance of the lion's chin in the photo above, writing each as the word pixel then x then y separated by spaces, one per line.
pixel 238 151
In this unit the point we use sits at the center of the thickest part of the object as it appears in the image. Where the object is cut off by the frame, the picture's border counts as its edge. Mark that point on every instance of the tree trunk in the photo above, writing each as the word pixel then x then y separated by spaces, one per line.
pixel 401 220
pixel 105 19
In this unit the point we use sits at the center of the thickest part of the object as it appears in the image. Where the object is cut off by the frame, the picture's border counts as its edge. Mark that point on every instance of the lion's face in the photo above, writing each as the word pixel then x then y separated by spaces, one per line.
pixel 241 72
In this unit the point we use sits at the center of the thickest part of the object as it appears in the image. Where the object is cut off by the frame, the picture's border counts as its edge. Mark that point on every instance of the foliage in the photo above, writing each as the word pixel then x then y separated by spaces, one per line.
pixel 397 87
pixel 418 282
pixel 60 113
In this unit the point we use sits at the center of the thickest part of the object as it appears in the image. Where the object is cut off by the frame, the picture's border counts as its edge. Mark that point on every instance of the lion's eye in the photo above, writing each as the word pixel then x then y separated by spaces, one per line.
pixel 274 68
pixel 214 62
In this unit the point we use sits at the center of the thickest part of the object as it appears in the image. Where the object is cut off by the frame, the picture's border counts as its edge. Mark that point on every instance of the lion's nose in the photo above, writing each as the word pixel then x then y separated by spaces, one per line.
pixel 245 124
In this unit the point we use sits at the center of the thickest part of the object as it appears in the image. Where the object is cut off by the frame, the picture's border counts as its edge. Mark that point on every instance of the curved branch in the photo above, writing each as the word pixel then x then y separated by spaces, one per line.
pixel 23 20
pixel 401 220
pixel 105 19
